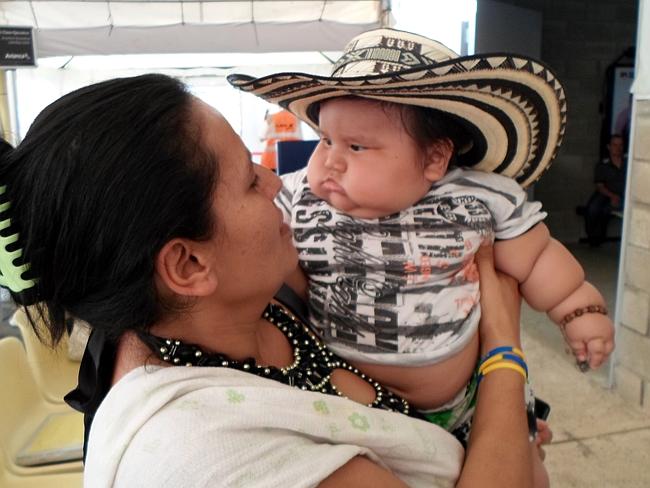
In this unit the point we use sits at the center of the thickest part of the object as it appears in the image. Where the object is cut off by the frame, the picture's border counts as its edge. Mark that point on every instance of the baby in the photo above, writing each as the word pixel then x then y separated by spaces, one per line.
pixel 387 216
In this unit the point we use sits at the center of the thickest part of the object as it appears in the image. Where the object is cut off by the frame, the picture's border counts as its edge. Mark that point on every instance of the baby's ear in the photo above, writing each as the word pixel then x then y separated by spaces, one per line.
pixel 437 159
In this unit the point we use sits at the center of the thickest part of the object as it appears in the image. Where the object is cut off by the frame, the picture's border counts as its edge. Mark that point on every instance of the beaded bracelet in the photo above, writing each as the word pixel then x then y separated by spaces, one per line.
pixel 578 312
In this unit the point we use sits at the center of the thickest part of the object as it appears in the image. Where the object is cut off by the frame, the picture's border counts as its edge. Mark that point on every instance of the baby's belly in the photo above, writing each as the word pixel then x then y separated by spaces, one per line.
pixel 427 387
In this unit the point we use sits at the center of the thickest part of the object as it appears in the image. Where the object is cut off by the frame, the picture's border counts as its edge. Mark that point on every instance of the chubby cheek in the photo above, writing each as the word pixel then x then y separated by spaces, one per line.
pixel 314 175
pixel 315 163
pixel 367 186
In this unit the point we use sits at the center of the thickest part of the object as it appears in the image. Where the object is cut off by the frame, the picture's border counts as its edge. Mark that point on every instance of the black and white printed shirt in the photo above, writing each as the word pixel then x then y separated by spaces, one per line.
pixel 402 289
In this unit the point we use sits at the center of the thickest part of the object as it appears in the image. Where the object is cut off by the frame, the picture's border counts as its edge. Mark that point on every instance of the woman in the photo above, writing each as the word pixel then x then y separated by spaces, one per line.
pixel 139 211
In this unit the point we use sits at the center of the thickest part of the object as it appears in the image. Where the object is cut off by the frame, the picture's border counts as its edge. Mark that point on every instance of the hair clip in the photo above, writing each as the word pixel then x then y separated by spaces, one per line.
pixel 12 266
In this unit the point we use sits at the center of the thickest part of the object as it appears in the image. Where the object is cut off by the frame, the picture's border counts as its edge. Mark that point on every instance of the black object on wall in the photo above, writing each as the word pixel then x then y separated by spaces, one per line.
pixel 616 105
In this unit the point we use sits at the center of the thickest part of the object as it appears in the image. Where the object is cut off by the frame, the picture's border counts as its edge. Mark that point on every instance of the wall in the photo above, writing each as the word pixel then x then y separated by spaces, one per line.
pixel 501 28
pixel 632 369
pixel 580 38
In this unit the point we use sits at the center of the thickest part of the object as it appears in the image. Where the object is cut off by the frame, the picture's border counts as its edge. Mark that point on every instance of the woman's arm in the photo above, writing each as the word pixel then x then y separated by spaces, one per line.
pixel 361 472
pixel 499 452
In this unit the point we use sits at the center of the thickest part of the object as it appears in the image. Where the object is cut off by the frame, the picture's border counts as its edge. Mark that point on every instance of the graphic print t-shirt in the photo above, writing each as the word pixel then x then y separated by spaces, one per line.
pixel 402 289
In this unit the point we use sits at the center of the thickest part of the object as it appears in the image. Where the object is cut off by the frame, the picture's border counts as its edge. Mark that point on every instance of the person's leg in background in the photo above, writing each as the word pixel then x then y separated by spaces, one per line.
pixel 597 215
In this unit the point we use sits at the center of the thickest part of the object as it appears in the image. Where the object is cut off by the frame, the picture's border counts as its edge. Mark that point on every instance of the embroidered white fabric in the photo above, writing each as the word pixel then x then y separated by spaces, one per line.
pixel 206 427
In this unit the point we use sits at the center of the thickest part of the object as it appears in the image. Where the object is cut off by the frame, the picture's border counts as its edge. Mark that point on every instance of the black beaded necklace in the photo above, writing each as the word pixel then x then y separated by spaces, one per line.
pixel 312 367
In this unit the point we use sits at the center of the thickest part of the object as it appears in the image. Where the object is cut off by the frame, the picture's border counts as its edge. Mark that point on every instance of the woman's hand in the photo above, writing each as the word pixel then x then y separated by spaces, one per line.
pixel 500 304
pixel 544 436
pixel 499 453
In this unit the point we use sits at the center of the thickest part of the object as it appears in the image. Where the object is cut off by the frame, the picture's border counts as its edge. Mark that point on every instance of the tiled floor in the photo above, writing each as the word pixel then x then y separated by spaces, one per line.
pixel 601 441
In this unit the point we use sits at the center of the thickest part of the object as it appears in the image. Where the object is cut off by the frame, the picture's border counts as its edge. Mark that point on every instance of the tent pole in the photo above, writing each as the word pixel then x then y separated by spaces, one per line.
pixel 5 114
pixel 386 14
pixel 9 106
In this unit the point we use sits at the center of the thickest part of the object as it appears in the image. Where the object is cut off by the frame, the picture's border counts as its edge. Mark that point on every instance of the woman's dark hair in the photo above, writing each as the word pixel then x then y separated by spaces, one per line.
pixel 104 178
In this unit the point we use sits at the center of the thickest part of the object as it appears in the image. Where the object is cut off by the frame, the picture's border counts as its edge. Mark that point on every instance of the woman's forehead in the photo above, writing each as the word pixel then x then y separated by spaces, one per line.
pixel 219 137
pixel 216 132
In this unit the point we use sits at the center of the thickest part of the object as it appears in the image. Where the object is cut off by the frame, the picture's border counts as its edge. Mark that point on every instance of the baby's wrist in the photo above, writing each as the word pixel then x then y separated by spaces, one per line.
pixel 579 312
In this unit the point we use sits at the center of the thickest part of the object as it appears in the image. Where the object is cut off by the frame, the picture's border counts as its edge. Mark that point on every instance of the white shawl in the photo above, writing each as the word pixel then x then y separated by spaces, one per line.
pixel 213 427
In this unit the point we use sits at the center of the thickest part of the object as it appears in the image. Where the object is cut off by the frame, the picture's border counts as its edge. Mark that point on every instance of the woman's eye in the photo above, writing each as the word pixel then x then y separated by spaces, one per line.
pixel 256 181
pixel 356 147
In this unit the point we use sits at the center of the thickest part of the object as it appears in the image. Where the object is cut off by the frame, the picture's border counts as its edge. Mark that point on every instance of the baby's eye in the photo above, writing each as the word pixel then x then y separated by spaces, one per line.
pixel 356 147
pixel 326 141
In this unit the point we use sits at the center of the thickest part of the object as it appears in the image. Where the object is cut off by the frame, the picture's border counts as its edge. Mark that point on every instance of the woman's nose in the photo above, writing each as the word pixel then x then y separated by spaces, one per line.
pixel 271 183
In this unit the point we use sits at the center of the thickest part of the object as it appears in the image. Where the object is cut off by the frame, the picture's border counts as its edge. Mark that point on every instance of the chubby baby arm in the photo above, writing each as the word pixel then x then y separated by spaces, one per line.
pixel 552 280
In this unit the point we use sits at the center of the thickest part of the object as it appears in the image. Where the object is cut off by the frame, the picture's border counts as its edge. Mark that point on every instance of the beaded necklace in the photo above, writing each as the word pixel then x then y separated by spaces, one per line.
pixel 312 367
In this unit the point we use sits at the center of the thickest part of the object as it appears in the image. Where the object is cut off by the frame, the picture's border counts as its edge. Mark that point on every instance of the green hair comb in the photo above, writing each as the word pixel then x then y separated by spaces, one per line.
pixel 11 274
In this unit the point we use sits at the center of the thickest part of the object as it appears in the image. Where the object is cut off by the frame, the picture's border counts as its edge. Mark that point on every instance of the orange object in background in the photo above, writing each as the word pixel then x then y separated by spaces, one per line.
pixel 281 126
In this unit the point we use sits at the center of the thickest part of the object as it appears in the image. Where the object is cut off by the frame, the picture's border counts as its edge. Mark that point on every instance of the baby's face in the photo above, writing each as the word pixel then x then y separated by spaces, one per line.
pixel 365 164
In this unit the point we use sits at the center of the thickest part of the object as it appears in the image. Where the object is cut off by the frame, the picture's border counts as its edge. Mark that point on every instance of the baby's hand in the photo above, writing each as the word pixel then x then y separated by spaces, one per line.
pixel 591 338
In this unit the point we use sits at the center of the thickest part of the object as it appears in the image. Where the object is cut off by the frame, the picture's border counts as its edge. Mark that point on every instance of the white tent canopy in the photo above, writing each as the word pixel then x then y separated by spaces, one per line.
pixel 125 27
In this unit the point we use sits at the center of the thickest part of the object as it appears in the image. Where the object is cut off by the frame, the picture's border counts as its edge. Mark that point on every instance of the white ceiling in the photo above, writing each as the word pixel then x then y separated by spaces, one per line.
pixel 128 27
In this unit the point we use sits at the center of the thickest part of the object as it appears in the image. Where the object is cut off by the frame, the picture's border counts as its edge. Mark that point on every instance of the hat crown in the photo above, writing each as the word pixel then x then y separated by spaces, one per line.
pixel 383 51
pixel 513 108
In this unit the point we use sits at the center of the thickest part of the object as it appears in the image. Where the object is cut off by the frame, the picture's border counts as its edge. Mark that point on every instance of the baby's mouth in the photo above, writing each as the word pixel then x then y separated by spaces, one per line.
pixel 331 185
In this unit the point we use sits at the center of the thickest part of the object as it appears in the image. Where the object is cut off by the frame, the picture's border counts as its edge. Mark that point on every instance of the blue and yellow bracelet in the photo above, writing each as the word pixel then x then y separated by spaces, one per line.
pixel 504 357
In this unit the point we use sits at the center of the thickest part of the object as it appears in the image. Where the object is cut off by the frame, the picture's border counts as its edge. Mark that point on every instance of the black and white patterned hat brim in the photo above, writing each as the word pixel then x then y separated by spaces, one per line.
pixel 513 106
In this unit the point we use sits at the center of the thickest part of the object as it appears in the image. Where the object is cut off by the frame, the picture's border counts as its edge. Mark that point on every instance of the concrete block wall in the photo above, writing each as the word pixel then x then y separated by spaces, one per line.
pixel 580 38
pixel 632 371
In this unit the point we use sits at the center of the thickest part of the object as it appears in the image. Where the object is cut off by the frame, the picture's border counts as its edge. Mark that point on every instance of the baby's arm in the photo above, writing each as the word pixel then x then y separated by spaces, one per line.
pixel 551 280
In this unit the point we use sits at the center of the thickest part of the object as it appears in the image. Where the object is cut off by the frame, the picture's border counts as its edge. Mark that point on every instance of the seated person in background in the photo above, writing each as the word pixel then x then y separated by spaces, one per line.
pixel 137 209
pixel 609 177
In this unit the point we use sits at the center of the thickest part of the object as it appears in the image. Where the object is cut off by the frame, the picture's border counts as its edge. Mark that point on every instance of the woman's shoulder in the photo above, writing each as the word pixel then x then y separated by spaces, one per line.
pixel 200 426
pixel 156 417
pixel 217 423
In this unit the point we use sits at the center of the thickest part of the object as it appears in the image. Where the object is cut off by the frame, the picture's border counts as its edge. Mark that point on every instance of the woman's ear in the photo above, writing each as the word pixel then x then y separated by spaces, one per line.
pixel 184 267
pixel 437 159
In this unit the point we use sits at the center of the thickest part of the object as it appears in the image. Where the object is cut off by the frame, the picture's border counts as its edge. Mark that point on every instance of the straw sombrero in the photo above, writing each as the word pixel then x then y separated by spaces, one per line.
pixel 513 107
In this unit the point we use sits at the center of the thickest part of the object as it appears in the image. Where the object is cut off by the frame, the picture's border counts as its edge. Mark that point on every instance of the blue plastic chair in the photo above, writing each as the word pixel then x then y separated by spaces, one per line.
pixel 293 155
